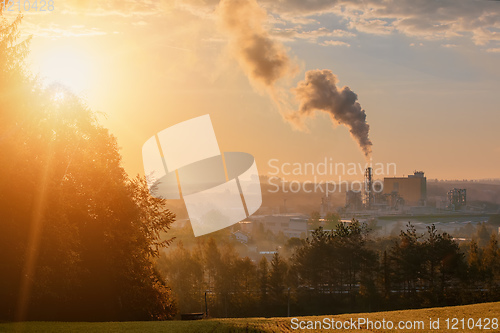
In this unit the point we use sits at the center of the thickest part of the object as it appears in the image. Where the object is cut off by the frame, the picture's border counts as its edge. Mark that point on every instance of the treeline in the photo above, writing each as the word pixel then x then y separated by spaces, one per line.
pixel 77 236
pixel 342 270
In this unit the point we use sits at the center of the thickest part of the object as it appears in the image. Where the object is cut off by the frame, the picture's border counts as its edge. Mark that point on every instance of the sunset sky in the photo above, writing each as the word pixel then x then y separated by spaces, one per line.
pixel 426 72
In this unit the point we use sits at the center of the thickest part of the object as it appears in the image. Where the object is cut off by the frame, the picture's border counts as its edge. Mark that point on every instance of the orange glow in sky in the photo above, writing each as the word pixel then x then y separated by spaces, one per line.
pixel 430 95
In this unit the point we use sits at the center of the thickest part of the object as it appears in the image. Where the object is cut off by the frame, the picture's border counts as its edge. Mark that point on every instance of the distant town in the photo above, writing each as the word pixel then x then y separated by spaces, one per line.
pixel 385 205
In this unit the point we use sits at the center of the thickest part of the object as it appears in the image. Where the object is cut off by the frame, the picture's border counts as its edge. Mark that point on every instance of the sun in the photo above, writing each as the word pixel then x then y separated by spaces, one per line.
pixel 68 66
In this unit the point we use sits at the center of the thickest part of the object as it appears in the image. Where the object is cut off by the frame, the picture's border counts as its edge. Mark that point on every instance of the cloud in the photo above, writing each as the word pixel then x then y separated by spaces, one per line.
pixel 335 43
pixel 291 34
pixel 494 50
pixel 428 19
pixel 378 27
pixel 484 36
pixel 117 8
pixel 475 20
pixel 301 7
pixel 56 31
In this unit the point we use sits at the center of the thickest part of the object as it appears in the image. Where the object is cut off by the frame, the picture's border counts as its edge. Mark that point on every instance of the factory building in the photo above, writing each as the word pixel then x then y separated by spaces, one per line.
pixel 353 200
pixel 326 205
pixel 412 189
pixel 457 198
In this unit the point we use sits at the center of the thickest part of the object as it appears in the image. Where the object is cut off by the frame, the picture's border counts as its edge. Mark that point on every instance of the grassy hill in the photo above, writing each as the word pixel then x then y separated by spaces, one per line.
pixel 477 311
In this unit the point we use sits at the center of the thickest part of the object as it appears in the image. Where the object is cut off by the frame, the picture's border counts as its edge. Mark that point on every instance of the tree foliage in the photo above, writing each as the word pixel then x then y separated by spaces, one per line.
pixel 77 236
pixel 344 270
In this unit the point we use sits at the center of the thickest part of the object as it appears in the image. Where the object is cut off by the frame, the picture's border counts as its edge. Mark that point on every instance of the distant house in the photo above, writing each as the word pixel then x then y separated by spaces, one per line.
pixel 240 237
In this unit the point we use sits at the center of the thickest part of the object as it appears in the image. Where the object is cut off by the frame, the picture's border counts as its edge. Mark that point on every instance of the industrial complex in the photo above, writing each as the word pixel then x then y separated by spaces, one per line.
pixel 389 197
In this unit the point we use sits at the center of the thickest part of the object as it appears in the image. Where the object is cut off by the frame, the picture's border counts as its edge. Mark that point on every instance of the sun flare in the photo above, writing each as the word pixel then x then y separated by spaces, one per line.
pixel 67 66
pixel 58 96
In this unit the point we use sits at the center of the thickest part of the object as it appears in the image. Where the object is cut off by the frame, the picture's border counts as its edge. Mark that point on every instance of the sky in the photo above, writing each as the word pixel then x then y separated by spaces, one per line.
pixel 425 74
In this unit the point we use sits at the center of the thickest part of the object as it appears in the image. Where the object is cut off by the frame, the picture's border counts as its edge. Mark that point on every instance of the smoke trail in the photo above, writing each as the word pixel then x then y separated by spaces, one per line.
pixel 264 60
pixel 319 92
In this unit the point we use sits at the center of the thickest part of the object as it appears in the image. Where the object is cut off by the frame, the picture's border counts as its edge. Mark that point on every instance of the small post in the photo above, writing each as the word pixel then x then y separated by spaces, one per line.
pixel 288 302
pixel 206 305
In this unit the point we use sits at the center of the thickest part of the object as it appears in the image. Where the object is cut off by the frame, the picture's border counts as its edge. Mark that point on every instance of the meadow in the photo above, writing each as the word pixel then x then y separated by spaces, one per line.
pixel 476 312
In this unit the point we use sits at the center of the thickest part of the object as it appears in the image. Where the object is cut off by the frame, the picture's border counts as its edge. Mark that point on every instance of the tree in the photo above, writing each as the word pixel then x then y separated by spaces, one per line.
pixel 314 220
pixel 245 301
pixel 263 273
pixel 75 228
pixel 331 221
pixel 212 261
pixel 353 257
pixel 183 271
pixel 474 261
pixel 332 261
pixel 386 280
pixel 491 264
pixel 277 278
pixel 312 261
pixel 444 262
pixel 408 259
pixel 482 235
pixel 294 242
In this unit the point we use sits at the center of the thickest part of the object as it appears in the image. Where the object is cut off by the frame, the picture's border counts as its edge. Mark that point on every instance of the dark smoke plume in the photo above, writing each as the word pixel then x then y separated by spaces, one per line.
pixel 319 92
pixel 265 61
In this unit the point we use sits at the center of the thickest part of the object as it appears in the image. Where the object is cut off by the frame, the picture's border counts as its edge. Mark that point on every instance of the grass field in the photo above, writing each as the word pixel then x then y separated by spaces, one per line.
pixel 477 311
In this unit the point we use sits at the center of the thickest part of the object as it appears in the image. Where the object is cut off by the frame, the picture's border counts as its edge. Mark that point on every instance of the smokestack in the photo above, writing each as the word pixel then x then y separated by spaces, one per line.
pixel 319 92
pixel 368 188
